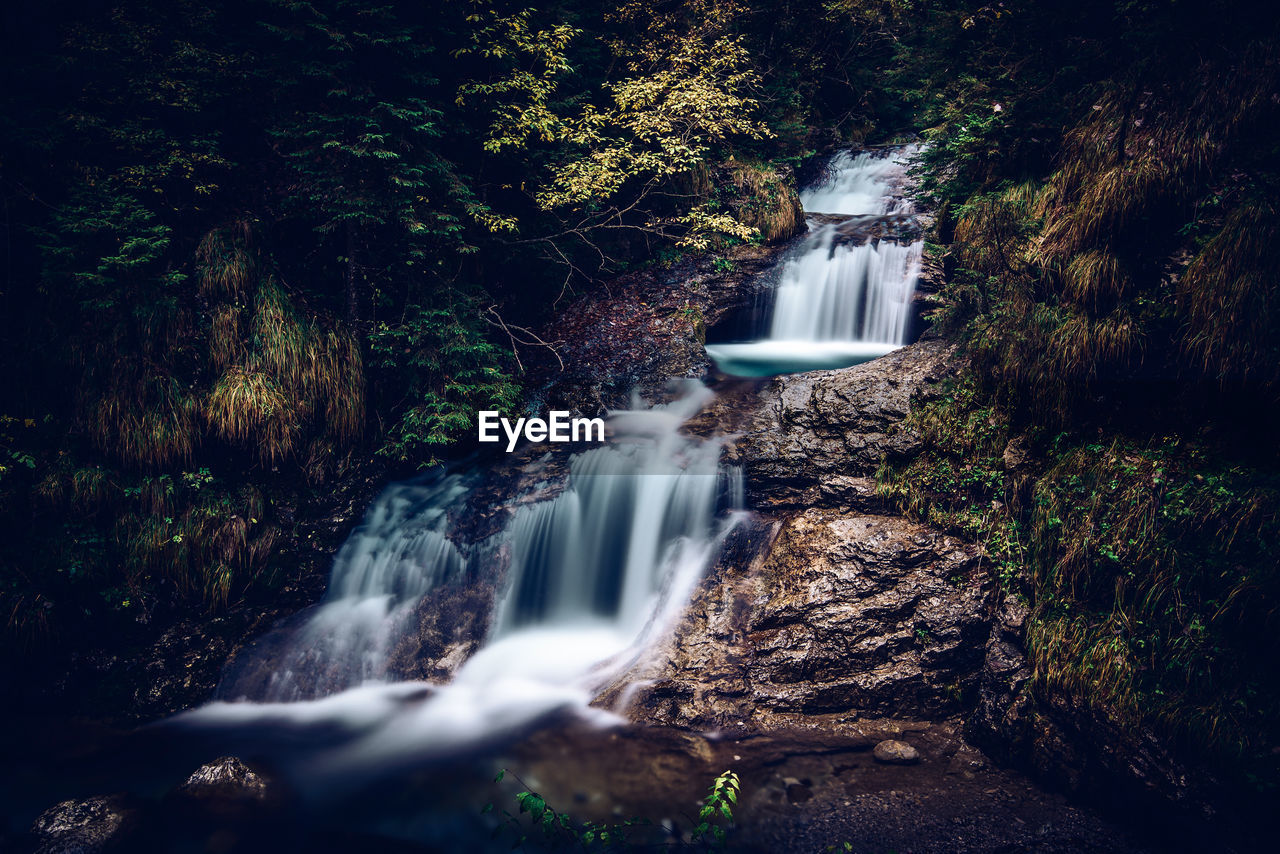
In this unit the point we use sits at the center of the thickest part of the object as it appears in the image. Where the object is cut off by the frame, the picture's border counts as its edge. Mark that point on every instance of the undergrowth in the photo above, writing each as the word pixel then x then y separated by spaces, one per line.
pixel 1111 225
pixel 538 826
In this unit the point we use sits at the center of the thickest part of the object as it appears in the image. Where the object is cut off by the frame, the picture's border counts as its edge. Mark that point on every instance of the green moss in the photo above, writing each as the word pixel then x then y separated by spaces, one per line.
pixel 1149 561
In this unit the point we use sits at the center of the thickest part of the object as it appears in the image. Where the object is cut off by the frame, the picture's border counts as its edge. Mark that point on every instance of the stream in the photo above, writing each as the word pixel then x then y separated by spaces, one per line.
pixel 587 561
pixel 591 577
pixel 844 295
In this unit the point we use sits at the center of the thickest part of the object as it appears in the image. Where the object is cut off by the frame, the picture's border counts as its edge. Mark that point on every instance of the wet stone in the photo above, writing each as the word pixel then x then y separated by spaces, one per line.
pixel 82 827
pixel 894 752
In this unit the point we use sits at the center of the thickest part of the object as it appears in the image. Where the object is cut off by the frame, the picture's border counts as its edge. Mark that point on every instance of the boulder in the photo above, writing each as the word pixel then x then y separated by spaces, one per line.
pixel 85 826
pixel 836 614
pixel 893 752
pixel 223 793
pixel 223 777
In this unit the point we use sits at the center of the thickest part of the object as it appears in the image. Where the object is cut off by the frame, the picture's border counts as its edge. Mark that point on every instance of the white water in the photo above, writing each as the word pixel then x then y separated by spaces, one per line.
pixel 386 566
pixel 595 574
pixel 838 304
pixel 861 184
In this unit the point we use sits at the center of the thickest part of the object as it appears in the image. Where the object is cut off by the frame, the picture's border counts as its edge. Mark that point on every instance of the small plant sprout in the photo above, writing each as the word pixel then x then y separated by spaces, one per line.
pixel 721 798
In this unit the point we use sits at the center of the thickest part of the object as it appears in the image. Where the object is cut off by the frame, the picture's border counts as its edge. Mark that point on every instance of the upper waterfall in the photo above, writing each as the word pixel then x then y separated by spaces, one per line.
pixel 845 296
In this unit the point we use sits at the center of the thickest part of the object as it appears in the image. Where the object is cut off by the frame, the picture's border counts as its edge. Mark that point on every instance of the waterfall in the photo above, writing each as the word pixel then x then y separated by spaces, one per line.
pixel 847 293
pixel 629 513
pixel 860 185
pixel 845 296
pixel 399 553
pixel 592 576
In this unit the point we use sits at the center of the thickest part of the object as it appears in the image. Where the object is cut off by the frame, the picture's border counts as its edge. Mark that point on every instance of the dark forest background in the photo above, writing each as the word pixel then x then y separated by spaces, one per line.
pixel 249 247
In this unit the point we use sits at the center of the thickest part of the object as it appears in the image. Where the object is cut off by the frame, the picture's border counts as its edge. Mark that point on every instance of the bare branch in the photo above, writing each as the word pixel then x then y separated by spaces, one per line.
pixel 530 338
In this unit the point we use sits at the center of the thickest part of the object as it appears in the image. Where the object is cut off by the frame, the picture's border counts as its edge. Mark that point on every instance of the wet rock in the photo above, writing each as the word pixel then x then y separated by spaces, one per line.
pixel 224 791
pixel 967 761
pixel 225 777
pixel 449 625
pixel 857 230
pixel 88 826
pixel 223 806
pixel 893 752
pixel 836 613
pixel 827 603
pixel 815 434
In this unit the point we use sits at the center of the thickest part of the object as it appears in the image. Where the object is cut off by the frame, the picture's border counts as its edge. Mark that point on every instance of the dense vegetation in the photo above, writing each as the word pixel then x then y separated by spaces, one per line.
pixel 250 245
pixel 1108 182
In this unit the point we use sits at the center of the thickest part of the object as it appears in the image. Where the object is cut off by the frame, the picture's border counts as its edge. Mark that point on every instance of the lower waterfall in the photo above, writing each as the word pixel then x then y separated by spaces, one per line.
pixel 592 576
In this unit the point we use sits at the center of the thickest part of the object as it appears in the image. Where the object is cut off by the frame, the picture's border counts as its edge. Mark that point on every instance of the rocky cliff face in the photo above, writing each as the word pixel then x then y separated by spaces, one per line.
pixel 817 438
pixel 827 603
pixel 841 614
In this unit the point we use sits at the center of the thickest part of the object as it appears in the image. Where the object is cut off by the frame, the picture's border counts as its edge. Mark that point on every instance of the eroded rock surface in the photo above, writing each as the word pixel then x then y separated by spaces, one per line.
pixel 848 614
pixel 894 752
pixel 88 826
pixel 818 437
pixel 225 777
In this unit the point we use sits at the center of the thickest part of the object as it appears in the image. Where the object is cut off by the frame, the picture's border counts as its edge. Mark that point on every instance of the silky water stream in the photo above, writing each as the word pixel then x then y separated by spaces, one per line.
pixel 590 568
pixel 586 578
pixel 844 295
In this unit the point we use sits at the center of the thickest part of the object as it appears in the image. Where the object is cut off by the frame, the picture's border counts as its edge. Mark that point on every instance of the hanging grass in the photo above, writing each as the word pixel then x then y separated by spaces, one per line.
pixel 1150 564
pixel 26 617
pixel 226 338
pixel 218 544
pixel 1155 588
pixel 994 233
pixel 282 344
pixel 1143 154
pixel 1228 295
pixel 1095 279
pixel 336 376
pixel 283 375
pixel 1080 345
pixel 93 487
pixel 249 407
pixel 149 422
pixel 766 201
pixel 226 267
pixel 218 579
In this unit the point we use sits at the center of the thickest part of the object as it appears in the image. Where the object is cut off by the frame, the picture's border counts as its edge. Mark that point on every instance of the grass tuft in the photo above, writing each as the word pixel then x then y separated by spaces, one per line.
pixel 226 266
pixel 247 405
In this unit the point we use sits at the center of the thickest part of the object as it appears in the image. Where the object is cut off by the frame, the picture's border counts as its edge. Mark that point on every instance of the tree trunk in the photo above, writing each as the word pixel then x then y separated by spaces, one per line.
pixel 355 301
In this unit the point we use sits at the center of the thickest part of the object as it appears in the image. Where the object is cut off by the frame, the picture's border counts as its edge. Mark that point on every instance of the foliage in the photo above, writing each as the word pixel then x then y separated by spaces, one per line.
pixel 270 240
pixel 549 829
pixel 1109 207
pixel 720 801
pixel 962 483
pixel 442 358
pixel 521 100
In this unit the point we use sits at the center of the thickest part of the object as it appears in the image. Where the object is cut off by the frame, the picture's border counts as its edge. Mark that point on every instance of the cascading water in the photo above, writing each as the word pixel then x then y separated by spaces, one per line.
pixel 630 514
pixel 400 552
pixel 592 577
pixel 846 296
